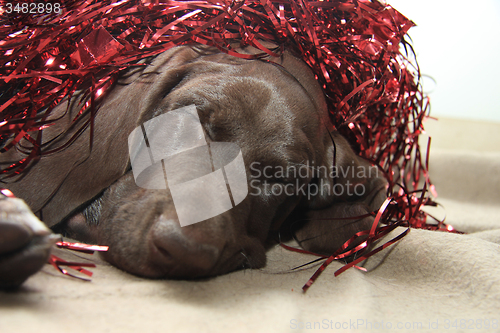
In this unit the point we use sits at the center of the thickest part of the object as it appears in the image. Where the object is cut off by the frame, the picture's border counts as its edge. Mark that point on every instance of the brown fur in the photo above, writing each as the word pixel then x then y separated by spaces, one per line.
pixel 276 114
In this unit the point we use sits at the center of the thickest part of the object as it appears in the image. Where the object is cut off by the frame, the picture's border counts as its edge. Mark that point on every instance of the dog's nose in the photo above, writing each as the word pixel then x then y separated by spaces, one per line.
pixel 175 250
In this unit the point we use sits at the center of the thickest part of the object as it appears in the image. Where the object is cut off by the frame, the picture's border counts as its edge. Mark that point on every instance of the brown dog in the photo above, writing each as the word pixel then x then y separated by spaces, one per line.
pixel 276 113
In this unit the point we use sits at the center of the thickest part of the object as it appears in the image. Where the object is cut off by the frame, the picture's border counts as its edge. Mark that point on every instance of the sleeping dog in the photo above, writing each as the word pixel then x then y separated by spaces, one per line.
pixel 273 110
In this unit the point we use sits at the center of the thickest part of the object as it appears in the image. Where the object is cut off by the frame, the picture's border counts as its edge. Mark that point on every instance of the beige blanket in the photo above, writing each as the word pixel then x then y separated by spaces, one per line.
pixel 428 282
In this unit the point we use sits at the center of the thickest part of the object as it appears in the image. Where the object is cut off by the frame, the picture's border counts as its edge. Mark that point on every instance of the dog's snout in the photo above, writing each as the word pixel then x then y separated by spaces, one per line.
pixel 178 253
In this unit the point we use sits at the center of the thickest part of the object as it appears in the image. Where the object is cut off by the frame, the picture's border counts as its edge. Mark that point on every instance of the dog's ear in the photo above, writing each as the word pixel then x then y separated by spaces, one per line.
pixel 60 182
pixel 350 190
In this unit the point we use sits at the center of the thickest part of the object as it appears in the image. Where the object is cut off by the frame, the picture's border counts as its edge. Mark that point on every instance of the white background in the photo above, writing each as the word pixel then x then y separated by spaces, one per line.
pixel 457 43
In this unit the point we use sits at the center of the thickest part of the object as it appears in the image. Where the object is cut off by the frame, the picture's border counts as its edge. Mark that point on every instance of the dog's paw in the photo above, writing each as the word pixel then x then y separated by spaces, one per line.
pixel 25 243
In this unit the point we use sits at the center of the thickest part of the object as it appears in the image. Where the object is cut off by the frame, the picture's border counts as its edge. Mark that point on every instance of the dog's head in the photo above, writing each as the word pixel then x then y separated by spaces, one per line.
pixel 293 160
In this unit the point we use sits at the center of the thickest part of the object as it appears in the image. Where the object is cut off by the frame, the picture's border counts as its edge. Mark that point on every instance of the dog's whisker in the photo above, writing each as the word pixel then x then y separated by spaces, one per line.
pixel 247 260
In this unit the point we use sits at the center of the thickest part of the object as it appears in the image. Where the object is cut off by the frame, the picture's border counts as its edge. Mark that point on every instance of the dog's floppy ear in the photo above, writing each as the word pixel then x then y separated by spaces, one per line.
pixel 60 182
pixel 352 188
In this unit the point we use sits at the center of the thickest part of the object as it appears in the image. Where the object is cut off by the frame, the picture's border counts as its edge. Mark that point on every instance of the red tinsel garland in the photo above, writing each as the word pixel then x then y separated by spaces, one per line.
pixel 78 266
pixel 353 47
pixel 80 247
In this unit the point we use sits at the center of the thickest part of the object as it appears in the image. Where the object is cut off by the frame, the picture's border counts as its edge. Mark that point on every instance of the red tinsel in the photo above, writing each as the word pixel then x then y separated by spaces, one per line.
pixel 80 247
pixel 353 46
pixel 78 266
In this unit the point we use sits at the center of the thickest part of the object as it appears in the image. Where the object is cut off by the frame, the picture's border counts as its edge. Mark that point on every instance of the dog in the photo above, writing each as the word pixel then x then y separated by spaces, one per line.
pixel 273 109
